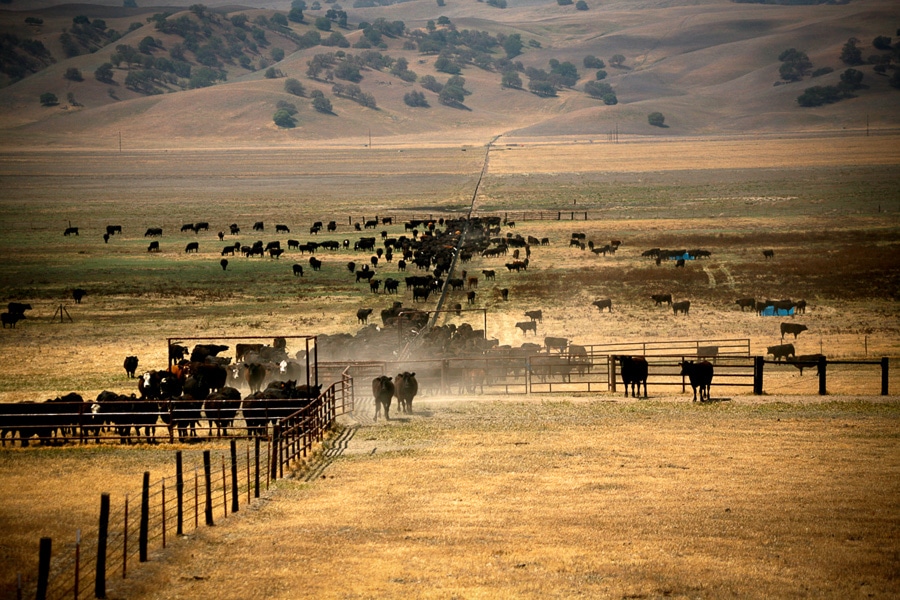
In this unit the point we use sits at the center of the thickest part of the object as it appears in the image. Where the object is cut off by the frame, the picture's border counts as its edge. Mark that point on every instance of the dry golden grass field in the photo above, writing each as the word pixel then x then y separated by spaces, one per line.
pixel 785 495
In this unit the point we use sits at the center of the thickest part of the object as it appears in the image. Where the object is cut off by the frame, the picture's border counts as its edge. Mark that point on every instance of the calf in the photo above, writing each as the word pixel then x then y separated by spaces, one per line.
pixel 298 270
pixel 700 375
pixel 746 303
pixel 362 315
pixel 10 319
pixel 192 247
pixel 153 247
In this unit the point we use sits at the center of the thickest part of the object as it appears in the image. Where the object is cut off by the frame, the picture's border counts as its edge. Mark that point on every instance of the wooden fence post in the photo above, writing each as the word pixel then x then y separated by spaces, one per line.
pixel 823 365
pixel 611 373
pixel 256 472
pixel 179 493
pixel 234 487
pixel 46 547
pixel 884 376
pixel 102 538
pixel 207 476
pixel 758 362
pixel 143 534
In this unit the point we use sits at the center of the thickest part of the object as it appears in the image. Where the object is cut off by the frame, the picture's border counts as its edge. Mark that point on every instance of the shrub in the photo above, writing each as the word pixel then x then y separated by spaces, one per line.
pixel 293 86
pixel 73 74
pixel 415 99
pixel 284 118
pixel 49 99
pixel 657 119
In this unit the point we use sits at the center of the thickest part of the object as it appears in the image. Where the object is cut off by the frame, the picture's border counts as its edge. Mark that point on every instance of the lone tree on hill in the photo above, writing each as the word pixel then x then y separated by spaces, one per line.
pixel 49 99
pixel 657 119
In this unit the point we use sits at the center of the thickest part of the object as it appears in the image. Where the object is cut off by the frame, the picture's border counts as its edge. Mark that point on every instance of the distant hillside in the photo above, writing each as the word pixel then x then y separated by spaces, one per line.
pixel 467 71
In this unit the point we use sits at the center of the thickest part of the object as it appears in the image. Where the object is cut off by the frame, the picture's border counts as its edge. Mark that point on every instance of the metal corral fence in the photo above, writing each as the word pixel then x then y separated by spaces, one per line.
pixel 175 505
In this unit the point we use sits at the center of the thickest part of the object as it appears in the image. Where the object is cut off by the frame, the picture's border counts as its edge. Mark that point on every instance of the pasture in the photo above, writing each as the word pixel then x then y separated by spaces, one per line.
pixel 831 218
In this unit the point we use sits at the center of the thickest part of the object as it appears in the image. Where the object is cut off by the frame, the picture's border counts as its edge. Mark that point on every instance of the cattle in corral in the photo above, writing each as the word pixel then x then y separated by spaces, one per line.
pixel 421 293
pixel 391 285
pixel 362 315
pixel 472 282
pixel 220 409
pixel 192 247
pixel 131 365
pixel 224 264
pixel 781 351
pixel 10 319
pixel 578 358
pixel 153 232
pixel 535 315
pixel 383 392
pixel 405 389
pixel 234 229
pixel 800 307
pixel 746 303
pixel 255 374
pixel 202 351
pixel 279 228
pixel 556 343
pixel 153 247
pixel 374 285
pixel 660 298
pixel 700 375
pixel 806 360
pixel 470 297
pixel 634 371
pixel 242 350
pixel 112 230
pixel 177 352
pixel 795 328
pixel 768 254
pixel 679 262
pixel 298 270
pixel 681 307
pixel 78 294
pixel 458 309
pixel 527 326
pixel 71 231
pixel 603 303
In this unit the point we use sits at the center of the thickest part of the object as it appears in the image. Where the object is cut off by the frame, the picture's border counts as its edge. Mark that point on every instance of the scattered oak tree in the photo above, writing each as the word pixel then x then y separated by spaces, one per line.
pixel 49 99
pixel 656 119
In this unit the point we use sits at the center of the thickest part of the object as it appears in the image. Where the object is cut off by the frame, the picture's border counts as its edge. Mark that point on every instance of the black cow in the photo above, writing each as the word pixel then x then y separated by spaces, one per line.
pixel 634 372
pixel 153 247
pixel 298 270
pixel 221 408
pixel 781 351
pixel 10 319
pixel 660 298
pixel 192 247
pixel 682 307
pixel 795 328
pixel 700 375
pixel 131 365
pixel 71 231
pixel 259 226
pixel 535 315
pixel 187 227
pixel 806 360
pixel 201 226
pixel 405 388
pixel 603 303
pixel 202 351
pixel 746 303
pixel 282 229
pixel 78 294
pixel 556 343
pixel 527 326
pixel 315 263
pixel 153 232
pixel 234 229
pixel 383 392
pixel 362 315
pixel 112 230
pixel 224 264
pixel 768 254
pixel 367 275
pixel 18 308
pixel 489 274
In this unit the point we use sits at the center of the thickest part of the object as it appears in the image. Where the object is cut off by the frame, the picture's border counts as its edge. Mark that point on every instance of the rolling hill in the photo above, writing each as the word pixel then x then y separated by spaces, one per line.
pixel 709 66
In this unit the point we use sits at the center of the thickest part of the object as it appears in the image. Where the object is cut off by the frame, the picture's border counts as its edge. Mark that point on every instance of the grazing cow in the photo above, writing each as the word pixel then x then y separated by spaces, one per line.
pixel 332 226
pixel 187 227
pixel 351 266
pixel 405 388
pixel 224 264
pixel 362 315
pixel 781 351
pixel 367 275
pixel 282 229
pixel 383 392
pixel 10 319
pixel 391 285
pixel 105 238
pixel 112 230
pixel 192 247
pixel 700 375
pixel 234 229
pixel 504 294
pixel 800 307
pixel 201 226
pixel 489 274
pixel 795 328
pixel 153 247
pixel 681 307
pixel 470 297
pixel 456 283
pixel 527 326
pixel 227 250
pixel 276 252
pixel 556 343
pixel 374 285
pixel 806 360
pixel 423 293
pixel 634 372
pixel 153 232
pixel 315 263
pixel 71 231
pixel 746 303
pixel 78 294
pixel 603 303
pixel 535 315
pixel 259 226
pixel 298 270
pixel 131 365
pixel 768 254
pixel 660 298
